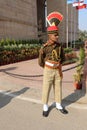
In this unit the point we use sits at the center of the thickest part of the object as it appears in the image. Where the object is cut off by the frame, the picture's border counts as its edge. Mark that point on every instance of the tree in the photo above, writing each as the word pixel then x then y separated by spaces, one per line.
pixel 82 35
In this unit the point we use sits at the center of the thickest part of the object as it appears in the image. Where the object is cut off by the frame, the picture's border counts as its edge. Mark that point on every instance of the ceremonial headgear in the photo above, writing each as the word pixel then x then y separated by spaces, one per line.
pixel 53 20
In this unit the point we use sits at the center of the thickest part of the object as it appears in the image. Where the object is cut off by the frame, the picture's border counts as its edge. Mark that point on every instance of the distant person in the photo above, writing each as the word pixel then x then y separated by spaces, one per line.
pixel 51 57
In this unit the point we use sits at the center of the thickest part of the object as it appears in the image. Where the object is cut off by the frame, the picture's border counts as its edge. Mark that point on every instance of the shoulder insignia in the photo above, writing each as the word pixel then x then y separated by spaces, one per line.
pixel 45 44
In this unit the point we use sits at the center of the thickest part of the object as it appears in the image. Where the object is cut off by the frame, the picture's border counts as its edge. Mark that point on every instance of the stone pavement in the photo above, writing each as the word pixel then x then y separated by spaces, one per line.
pixel 24 80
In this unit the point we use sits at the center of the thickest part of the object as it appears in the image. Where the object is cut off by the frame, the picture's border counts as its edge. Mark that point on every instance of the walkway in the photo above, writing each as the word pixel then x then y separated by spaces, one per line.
pixel 27 76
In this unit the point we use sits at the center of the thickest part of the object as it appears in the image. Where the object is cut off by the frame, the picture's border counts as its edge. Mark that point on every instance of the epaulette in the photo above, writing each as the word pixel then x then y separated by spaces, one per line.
pixel 44 45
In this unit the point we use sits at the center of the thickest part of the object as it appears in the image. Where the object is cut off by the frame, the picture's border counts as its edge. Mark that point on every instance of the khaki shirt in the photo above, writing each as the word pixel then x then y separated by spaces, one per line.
pixel 52 52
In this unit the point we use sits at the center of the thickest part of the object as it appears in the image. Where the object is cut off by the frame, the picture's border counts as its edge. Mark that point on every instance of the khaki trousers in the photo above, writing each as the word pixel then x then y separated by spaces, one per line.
pixel 51 78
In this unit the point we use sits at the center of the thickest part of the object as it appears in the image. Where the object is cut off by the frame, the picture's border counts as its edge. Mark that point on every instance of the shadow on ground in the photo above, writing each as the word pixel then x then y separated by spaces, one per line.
pixel 7 96
pixel 76 95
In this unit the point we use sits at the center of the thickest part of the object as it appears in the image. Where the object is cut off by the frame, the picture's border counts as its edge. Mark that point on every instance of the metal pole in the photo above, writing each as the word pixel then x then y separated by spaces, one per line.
pixel 67 25
pixel 74 26
pixel 71 26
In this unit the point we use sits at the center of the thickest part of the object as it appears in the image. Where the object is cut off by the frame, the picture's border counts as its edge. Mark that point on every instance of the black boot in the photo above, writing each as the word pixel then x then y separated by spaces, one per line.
pixel 45 113
pixel 63 111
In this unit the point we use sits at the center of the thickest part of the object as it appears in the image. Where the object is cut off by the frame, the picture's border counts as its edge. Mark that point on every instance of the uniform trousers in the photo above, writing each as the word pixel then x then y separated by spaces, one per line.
pixel 51 78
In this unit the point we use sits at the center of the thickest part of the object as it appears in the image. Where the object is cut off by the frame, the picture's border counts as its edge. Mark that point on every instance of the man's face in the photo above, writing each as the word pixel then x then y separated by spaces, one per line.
pixel 53 37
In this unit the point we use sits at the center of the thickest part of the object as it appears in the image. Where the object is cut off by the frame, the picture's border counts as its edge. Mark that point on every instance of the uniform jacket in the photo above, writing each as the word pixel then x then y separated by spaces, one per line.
pixel 52 52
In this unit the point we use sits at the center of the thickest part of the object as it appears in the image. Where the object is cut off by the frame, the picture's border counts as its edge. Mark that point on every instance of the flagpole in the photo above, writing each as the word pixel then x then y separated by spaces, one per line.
pixel 67 25
pixel 74 27
pixel 71 26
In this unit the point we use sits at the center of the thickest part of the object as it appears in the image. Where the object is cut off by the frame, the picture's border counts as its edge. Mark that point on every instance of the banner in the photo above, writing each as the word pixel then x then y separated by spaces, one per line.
pixel 74 1
pixel 81 7
pixel 78 3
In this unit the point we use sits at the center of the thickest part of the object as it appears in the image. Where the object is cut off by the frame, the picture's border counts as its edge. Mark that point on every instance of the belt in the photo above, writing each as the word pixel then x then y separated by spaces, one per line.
pixel 52 64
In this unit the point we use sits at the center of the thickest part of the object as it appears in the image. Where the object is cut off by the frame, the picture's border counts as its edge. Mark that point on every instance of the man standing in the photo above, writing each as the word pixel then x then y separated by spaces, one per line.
pixel 51 57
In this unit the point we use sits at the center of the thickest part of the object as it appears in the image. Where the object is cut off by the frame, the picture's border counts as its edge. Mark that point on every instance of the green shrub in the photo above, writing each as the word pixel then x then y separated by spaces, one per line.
pixel 68 50
pixel 13 51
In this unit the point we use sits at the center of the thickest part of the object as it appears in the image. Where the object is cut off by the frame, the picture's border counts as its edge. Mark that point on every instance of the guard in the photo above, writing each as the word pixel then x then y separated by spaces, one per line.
pixel 51 57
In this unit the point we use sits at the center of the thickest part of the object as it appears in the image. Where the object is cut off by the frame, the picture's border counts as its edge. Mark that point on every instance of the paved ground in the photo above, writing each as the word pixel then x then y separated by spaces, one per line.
pixel 26 77
pixel 23 115
pixel 20 100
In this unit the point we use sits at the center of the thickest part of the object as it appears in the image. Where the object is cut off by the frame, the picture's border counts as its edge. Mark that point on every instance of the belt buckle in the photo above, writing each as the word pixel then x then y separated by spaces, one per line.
pixel 55 65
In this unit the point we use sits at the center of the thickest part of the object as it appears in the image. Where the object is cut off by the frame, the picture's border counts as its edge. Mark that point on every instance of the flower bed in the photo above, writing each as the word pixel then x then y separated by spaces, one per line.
pixel 12 51
pixel 70 56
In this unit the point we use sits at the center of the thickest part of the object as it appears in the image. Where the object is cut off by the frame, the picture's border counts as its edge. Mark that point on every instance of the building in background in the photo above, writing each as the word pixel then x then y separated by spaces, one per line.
pixel 69 27
pixel 25 19
pixel 18 19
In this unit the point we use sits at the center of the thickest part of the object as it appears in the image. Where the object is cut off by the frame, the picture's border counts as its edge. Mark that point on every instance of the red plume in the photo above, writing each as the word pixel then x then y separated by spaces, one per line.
pixel 54 18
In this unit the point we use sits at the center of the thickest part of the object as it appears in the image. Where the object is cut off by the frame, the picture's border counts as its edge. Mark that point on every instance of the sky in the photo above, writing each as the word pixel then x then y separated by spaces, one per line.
pixel 83 18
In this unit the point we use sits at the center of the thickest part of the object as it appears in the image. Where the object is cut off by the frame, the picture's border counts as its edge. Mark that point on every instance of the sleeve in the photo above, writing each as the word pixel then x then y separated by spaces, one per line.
pixel 41 59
